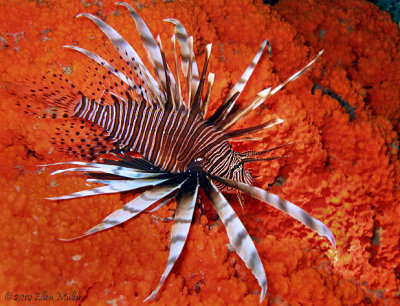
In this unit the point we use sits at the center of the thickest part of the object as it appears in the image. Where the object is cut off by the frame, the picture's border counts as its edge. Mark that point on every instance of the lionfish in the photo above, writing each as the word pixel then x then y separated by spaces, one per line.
pixel 182 148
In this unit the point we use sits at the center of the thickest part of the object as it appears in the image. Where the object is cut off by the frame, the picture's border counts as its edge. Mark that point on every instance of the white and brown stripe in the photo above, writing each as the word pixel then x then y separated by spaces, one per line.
pixel 171 140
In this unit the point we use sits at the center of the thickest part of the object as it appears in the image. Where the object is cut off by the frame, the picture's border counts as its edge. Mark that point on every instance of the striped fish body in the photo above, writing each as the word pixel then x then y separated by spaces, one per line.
pixel 173 140
pixel 182 151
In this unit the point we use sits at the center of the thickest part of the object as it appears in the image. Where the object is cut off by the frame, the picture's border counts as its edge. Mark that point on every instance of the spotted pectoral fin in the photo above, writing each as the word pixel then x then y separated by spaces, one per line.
pixel 135 206
pixel 237 234
pixel 186 201
pixel 291 209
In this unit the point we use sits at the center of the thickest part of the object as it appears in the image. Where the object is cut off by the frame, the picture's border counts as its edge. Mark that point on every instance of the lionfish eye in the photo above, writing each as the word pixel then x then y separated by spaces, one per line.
pixel 236 166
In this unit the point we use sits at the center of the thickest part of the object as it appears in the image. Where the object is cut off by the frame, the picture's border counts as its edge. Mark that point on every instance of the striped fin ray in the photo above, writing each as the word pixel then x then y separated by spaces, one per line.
pixel 188 62
pixel 126 51
pixel 254 129
pixel 138 164
pixel 178 89
pixel 169 87
pixel 163 202
pixel 79 163
pixel 243 139
pixel 108 169
pixel 289 208
pixel 186 201
pixel 241 113
pixel 262 96
pixel 204 106
pixel 297 74
pixel 112 186
pixel 237 234
pixel 189 77
pixel 152 49
pixel 223 111
pixel 121 172
pixel 136 206
pixel 251 153
pixel 197 102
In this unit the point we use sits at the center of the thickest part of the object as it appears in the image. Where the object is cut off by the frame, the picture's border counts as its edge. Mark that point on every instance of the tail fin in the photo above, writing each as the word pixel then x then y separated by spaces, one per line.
pixel 44 99
pixel 55 97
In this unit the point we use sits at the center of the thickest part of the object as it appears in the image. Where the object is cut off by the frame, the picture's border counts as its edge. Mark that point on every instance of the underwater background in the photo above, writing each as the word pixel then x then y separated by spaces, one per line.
pixel 343 117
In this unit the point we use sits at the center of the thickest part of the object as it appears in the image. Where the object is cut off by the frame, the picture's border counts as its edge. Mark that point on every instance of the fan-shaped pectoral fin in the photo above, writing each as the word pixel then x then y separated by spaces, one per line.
pixel 136 206
pixel 186 201
pixel 237 234
pixel 291 209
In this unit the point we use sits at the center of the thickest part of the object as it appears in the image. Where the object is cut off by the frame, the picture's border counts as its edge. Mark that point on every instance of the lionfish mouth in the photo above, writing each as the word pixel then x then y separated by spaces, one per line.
pixel 161 99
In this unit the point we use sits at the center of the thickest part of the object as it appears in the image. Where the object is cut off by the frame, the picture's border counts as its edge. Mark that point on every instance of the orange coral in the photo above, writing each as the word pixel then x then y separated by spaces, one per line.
pixel 343 172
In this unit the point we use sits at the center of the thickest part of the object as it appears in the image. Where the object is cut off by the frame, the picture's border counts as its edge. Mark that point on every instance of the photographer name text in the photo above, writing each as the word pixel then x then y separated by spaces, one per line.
pixel 44 296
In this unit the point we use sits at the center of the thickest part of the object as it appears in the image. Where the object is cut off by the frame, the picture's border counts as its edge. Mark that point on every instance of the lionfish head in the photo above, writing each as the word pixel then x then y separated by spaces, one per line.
pixel 238 172
pixel 231 168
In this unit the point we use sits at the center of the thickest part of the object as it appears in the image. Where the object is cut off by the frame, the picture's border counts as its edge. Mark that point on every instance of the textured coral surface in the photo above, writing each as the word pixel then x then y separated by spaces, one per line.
pixel 344 172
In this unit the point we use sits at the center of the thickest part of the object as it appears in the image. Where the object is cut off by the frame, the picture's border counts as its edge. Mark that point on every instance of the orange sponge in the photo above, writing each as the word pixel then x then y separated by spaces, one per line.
pixel 344 172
